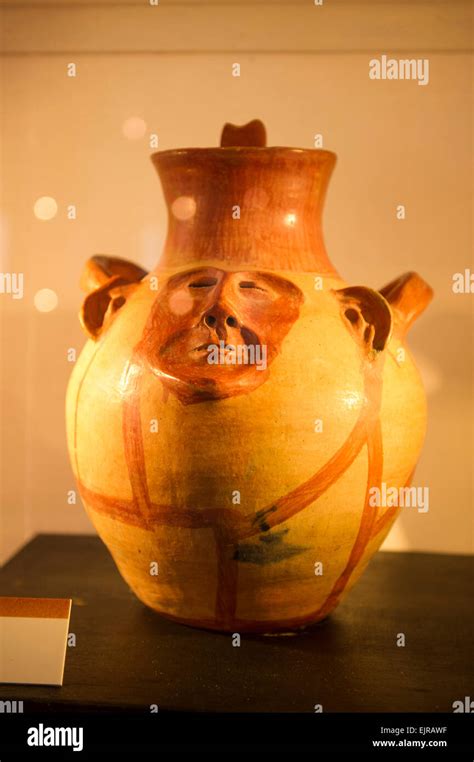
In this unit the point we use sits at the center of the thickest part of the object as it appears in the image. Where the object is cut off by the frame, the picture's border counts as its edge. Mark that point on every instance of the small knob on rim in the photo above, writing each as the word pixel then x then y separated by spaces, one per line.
pixel 251 134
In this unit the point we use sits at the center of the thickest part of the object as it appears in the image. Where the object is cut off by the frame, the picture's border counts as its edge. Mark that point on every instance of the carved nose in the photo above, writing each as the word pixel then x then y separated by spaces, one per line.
pixel 210 321
pixel 214 320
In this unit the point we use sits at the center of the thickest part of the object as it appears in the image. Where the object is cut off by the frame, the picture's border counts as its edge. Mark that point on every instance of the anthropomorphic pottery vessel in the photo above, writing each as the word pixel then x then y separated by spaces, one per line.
pixel 235 410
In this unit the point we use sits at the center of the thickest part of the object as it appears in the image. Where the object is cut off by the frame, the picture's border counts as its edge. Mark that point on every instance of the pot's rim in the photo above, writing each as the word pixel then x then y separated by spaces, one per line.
pixel 245 151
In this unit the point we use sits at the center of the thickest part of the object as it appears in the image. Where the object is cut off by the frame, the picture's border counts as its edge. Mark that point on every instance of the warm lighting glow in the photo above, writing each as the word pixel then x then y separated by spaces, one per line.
pixel 45 208
pixel 46 300
pixel 290 219
pixel 256 198
pixel 183 208
pixel 180 303
pixel 431 374
pixel 4 242
pixel 134 128
pixel 152 237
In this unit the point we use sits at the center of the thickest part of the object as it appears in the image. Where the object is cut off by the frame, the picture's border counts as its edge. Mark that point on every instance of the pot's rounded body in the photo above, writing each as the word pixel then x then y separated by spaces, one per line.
pixel 240 494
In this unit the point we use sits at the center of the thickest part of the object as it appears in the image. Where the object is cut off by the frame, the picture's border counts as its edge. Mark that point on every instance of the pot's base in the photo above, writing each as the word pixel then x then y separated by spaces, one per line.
pixel 266 628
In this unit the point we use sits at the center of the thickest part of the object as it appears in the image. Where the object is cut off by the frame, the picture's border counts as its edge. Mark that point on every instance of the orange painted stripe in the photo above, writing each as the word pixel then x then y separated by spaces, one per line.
pixel 127 512
pixel 391 513
pixel 76 411
pixel 227 578
pixel 374 478
pixel 39 608
pixel 230 526
pixel 133 439
pixel 306 494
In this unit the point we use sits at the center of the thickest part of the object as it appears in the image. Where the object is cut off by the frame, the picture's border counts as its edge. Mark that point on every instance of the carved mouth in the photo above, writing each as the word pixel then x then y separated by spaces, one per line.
pixel 204 349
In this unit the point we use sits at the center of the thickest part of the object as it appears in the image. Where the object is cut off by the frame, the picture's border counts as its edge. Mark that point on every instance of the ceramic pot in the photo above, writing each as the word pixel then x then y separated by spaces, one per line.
pixel 235 410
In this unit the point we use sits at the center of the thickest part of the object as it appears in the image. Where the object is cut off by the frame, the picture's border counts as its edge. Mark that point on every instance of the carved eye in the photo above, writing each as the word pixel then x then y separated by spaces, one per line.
pixel 352 315
pixel 251 284
pixel 203 283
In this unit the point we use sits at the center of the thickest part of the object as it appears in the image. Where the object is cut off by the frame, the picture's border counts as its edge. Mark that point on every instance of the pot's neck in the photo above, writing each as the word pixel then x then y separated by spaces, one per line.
pixel 259 207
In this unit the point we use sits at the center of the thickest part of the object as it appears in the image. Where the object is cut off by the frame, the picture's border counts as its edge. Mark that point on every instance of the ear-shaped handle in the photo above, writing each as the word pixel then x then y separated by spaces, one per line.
pixel 100 268
pixel 408 296
pixel 108 279
pixel 368 317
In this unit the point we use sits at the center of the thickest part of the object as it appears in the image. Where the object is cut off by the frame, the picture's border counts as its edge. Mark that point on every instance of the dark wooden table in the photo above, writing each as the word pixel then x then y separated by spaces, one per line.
pixel 127 657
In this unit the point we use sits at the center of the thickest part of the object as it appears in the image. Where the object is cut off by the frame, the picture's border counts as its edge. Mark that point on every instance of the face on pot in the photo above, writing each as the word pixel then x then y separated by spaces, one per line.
pixel 213 333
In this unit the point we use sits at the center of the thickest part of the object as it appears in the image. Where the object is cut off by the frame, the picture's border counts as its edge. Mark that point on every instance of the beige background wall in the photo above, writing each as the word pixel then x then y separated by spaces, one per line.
pixel 304 70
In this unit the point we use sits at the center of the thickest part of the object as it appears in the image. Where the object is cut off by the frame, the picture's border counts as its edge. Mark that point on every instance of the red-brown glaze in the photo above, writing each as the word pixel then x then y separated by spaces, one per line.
pixel 251 134
pixel 203 307
pixel 374 478
pixel 278 194
pixel 100 269
pixel 227 576
pixel 108 281
pixel 133 442
pixel 408 296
